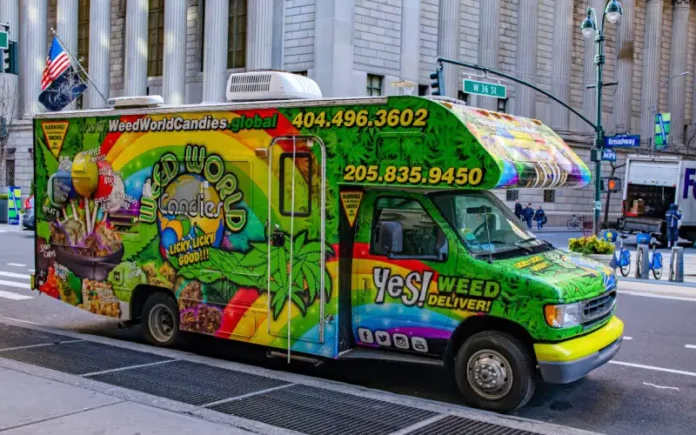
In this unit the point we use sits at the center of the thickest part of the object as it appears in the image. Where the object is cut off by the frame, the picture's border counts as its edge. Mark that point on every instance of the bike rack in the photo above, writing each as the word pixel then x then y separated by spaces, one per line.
pixel 645 262
pixel 676 265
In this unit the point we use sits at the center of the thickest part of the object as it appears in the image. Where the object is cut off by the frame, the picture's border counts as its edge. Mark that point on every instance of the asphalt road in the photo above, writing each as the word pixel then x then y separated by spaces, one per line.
pixel 650 387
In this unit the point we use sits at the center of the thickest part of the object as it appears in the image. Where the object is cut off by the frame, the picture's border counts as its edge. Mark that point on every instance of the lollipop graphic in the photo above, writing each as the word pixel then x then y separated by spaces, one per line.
pixel 105 185
pixel 85 178
pixel 62 190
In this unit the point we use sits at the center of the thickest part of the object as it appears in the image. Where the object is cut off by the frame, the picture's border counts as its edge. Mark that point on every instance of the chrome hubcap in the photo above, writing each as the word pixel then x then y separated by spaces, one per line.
pixel 161 322
pixel 489 374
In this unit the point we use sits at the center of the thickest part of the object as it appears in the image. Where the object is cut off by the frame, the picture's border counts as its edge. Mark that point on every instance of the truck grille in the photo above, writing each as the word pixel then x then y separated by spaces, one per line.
pixel 598 309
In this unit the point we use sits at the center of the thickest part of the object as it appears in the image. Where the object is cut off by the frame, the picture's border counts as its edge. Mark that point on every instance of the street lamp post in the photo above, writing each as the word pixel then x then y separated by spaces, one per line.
pixel 612 13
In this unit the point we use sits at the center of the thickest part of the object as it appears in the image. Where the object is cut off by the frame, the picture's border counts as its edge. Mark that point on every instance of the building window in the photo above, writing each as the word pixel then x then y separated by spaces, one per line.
pixel 9 172
pixel 549 195
pixel 83 33
pixel 464 97
pixel 502 105
pixel 155 38
pixel 374 85
pixel 512 195
pixel 237 34
pixel 423 90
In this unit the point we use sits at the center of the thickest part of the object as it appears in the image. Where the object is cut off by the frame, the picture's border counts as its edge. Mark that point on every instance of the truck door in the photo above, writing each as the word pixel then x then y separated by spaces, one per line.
pixel 296 245
pixel 391 289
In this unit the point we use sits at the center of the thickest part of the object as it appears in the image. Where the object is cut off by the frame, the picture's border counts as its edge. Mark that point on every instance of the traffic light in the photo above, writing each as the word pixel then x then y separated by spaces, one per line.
pixel 438 82
pixel 611 184
pixel 10 59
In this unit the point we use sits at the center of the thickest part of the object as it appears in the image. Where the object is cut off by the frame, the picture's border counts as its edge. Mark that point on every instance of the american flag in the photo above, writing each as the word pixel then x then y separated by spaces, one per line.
pixel 56 64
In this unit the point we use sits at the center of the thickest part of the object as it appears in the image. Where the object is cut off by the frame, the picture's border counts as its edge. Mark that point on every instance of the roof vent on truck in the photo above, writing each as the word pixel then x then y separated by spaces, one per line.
pixel 271 85
pixel 137 101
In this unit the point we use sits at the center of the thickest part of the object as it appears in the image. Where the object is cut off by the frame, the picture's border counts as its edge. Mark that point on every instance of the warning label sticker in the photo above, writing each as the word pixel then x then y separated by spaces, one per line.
pixel 55 135
pixel 351 204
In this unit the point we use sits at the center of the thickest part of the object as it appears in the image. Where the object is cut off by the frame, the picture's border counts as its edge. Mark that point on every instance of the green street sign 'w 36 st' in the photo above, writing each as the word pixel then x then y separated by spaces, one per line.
pixel 485 89
pixel 4 40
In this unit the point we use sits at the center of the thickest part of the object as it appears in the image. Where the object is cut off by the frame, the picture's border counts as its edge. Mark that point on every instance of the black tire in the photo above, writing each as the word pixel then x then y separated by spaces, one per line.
pixel 572 225
pixel 639 262
pixel 657 272
pixel 519 365
pixel 626 269
pixel 160 320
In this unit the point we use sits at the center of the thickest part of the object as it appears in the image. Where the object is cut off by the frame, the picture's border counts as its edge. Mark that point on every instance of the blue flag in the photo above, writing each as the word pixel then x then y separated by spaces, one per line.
pixel 60 83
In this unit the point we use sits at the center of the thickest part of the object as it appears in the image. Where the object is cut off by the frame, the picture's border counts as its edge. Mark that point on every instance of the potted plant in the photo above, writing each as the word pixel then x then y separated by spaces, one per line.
pixel 593 247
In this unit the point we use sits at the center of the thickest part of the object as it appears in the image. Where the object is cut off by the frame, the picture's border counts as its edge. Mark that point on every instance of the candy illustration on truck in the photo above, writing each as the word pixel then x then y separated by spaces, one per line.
pixel 324 229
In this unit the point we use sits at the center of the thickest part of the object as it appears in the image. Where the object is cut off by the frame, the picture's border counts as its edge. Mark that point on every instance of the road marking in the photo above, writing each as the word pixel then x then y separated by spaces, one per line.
pixel 628 338
pixel 420 424
pixel 690 346
pixel 129 367
pixel 658 369
pixel 19 320
pixel 15 284
pixel 39 345
pixel 15 275
pixel 16 264
pixel 244 396
pixel 653 295
pixel 661 387
pixel 13 296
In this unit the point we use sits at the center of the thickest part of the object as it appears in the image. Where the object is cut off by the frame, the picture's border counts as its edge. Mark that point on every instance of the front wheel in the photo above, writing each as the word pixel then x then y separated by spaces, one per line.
pixel 495 371
pixel 639 263
pixel 572 224
pixel 625 263
pixel 160 319
pixel 657 265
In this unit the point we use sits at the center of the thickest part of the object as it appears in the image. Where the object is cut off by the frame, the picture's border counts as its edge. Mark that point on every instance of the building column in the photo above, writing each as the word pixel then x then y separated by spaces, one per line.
pixel 174 62
pixel 9 13
pixel 589 96
pixel 677 65
pixel 136 48
pixel 651 68
pixel 333 51
pixel 259 53
pixel 448 42
pixel 99 48
pixel 410 41
pixel 215 50
pixel 489 41
pixel 278 34
pixel 624 68
pixel 563 29
pixel 526 57
pixel 66 23
pixel 32 40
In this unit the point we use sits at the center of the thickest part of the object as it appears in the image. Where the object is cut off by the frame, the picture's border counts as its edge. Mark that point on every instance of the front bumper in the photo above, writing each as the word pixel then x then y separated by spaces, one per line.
pixel 568 361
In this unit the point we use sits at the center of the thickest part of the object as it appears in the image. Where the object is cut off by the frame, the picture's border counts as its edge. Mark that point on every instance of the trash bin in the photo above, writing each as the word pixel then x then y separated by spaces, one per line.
pixel 642 238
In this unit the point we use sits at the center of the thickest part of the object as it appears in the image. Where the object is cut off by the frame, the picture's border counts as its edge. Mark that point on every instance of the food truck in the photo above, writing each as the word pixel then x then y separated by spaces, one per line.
pixel 324 229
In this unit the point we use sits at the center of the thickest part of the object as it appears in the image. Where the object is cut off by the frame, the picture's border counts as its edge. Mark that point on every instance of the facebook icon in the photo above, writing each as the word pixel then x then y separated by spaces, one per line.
pixel 689 180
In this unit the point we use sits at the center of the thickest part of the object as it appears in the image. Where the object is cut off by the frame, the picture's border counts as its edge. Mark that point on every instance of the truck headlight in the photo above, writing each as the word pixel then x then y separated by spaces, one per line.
pixel 564 315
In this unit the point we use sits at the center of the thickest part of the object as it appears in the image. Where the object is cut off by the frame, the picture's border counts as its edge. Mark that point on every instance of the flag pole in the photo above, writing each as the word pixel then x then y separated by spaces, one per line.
pixel 89 79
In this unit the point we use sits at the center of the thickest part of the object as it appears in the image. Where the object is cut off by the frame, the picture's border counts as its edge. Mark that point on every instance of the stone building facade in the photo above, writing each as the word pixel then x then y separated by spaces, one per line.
pixel 184 50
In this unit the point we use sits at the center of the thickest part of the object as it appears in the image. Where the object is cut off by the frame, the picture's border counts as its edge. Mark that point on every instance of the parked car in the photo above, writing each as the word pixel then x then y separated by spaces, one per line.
pixel 28 218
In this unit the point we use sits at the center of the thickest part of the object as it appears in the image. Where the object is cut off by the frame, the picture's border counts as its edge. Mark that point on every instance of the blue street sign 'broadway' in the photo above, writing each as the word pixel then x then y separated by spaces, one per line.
pixel 622 141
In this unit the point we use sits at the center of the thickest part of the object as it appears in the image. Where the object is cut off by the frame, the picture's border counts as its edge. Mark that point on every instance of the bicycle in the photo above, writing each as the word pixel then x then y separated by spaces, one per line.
pixel 623 259
pixel 654 259
pixel 575 222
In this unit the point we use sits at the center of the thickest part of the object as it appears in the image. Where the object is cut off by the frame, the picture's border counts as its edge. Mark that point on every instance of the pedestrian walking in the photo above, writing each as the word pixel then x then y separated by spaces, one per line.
pixel 518 209
pixel 673 219
pixel 528 214
pixel 540 218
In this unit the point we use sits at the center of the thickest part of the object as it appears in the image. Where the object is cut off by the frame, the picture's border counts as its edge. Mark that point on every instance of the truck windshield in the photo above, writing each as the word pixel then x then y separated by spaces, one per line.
pixel 468 212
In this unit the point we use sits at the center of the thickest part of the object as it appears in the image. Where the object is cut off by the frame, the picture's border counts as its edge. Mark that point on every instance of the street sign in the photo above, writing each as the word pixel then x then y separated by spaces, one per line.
pixel 611 184
pixel 608 156
pixel 622 141
pixel 485 89
pixel 662 124
pixel 4 40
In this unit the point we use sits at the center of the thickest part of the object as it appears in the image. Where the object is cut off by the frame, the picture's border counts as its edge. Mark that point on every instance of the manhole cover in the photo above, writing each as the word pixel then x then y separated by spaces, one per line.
pixel 316 411
pixel 188 382
pixel 453 425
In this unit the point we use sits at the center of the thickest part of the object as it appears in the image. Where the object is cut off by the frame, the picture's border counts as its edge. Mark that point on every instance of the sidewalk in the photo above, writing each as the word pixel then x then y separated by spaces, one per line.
pixel 59 382
pixel 6 228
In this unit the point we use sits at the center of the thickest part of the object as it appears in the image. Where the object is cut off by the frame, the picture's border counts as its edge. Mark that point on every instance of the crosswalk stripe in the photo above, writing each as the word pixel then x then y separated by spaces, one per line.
pixel 17 264
pixel 14 275
pixel 14 296
pixel 15 284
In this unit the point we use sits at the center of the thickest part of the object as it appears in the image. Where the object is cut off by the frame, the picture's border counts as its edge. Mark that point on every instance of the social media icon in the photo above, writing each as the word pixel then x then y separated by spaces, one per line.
pixel 400 341
pixel 383 338
pixel 419 344
pixel 365 335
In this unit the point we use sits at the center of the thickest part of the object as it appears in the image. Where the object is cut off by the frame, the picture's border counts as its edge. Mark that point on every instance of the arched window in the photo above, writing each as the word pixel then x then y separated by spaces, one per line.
pixel 155 38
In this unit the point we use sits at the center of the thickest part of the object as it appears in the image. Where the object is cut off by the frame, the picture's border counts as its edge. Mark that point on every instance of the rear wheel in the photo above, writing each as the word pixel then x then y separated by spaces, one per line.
pixel 160 319
pixel 625 268
pixel 639 263
pixel 495 371
pixel 657 265
pixel 572 224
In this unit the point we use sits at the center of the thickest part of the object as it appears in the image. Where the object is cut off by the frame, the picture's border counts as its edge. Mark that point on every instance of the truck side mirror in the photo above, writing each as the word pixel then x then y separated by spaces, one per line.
pixel 391 237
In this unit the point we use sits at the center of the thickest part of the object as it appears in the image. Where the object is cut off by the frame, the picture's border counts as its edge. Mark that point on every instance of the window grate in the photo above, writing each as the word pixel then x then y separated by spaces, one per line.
pixel 549 195
pixel 512 195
